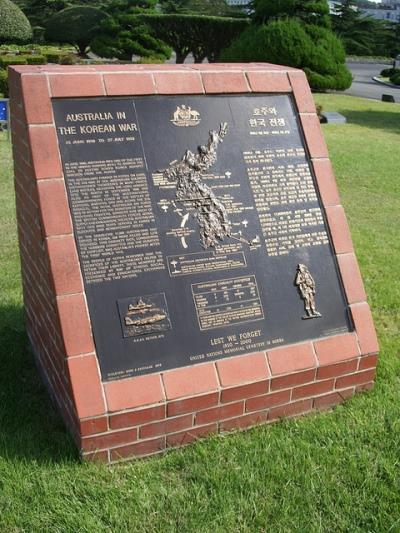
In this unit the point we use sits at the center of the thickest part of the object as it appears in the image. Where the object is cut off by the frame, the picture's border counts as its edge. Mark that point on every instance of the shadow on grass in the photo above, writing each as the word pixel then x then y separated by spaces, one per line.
pixel 383 120
pixel 30 427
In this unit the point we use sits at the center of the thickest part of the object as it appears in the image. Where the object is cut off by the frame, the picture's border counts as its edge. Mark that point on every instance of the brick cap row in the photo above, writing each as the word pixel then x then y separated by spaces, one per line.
pixel 233 372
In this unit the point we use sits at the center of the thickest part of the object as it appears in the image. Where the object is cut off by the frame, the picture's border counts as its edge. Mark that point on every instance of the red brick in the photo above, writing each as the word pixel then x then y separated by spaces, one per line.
pixel 219 413
pixel 355 379
pixel 54 208
pixel 243 369
pixel 335 349
pixel 171 425
pixel 298 378
pixel 326 181
pixel 290 409
pixel 351 277
pixel 313 134
pixel 245 421
pixel 113 439
pixel 45 155
pixel 268 400
pixel 365 328
pixel 291 358
pixel 190 381
pixel 97 457
pixel 244 391
pixel 129 83
pixel 139 449
pixel 190 435
pixel 269 82
pixel 339 369
pixel 86 386
pixel 36 97
pixel 190 405
pixel 313 389
pixel 323 402
pixel 75 325
pixel 135 418
pixel 302 94
pixel 74 84
pixel 339 229
pixel 64 265
pixel 92 426
pixel 369 361
pixel 178 83
pixel 134 392
pixel 225 82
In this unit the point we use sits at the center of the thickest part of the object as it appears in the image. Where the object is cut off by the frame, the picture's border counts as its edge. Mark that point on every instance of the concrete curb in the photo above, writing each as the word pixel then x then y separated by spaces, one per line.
pixel 375 78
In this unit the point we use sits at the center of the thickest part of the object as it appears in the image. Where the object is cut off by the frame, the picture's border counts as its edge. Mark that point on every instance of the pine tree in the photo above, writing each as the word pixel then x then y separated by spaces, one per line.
pixel 361 35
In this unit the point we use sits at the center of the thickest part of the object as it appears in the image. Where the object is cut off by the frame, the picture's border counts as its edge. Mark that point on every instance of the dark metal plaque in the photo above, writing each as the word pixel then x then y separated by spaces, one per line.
pixel 199 228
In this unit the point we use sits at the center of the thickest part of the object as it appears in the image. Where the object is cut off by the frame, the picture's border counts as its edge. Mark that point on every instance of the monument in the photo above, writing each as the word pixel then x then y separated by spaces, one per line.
pixel 187 266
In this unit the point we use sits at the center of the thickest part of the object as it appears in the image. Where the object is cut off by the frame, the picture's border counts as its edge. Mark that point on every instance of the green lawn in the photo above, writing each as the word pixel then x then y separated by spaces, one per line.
pixel 336 471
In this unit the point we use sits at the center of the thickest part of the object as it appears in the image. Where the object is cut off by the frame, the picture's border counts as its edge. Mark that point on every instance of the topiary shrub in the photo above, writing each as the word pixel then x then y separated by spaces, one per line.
pixel 14 26
pixel 314 49
pixel 4 83
pixel 125 36
pixel 75 25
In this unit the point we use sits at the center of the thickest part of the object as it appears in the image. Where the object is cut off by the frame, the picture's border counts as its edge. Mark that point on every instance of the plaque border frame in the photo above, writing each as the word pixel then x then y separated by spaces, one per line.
pixel 144 415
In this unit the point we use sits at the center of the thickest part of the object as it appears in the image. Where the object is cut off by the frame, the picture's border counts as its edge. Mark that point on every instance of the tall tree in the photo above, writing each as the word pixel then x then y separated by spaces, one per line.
pixel 361 35
pixel 308 11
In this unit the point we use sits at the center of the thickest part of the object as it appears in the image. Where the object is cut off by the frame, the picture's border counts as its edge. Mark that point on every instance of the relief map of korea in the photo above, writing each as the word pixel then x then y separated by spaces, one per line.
pixel 209 211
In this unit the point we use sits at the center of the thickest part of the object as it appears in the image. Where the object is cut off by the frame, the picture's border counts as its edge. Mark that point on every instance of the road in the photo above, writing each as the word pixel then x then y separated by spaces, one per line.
pixel 363 84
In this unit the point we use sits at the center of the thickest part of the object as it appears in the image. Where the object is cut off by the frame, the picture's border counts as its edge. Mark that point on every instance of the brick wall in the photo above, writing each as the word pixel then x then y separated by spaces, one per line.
pixel 146 414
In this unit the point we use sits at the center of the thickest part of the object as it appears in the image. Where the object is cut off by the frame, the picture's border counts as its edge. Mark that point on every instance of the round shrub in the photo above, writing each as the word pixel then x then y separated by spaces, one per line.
pixel 4 83
pixel 14 26
pixel 314 49
pixel 388 72
pixel 75 25
pixel 395 78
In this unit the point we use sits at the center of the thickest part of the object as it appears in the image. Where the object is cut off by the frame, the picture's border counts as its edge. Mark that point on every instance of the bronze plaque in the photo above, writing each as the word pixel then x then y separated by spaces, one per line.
pixel 199 228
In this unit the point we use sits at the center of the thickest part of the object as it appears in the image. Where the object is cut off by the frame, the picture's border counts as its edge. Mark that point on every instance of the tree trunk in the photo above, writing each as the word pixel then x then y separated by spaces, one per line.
pixel 180 56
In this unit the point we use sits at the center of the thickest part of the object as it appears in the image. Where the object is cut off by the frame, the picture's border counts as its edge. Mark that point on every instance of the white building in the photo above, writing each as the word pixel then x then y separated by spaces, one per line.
pixel 241 3
pixel 389 10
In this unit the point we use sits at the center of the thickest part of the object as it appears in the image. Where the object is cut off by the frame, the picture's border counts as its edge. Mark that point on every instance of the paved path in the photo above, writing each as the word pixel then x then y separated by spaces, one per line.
pixel 363 84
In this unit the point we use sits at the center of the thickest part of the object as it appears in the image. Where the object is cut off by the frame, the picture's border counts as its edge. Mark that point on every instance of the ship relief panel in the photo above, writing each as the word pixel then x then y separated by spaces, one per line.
pixel 199 228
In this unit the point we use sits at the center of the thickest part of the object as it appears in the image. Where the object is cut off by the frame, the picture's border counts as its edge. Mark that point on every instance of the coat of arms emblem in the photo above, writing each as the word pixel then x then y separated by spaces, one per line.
pixel 185 116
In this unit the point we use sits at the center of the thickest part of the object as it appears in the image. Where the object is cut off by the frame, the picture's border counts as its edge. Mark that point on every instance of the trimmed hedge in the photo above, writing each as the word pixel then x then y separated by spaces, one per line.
pixel 4 83
pixel 14 26
pixel 5 61
pixel 314 49
pixel 36 60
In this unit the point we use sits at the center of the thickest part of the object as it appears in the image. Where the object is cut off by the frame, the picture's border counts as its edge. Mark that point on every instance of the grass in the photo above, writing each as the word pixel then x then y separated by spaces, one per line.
pixel 337 471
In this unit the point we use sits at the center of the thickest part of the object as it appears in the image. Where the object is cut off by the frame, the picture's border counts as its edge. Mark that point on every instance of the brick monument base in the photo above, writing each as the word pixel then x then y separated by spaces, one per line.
pixel 144 415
